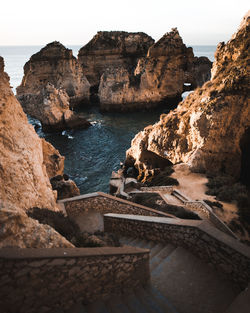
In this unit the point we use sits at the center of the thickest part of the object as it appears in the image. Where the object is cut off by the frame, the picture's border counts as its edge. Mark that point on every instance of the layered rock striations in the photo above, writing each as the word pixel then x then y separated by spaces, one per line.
pixel 23 177
pixel 108 50
pixel 53 83
pixel 210 129
pixel 168 70
pixel 26 163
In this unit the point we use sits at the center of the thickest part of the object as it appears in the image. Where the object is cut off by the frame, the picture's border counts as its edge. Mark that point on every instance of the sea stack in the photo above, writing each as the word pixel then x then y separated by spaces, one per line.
pixel 210 129
pixel 109 50
pixel 168 69
pixel 52 85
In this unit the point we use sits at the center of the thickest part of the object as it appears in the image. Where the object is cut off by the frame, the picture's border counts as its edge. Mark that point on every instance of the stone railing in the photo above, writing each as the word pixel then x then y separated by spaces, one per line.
pixel 167 189
pixel 41 280
pixel 105 203
pixel 218 249
pixel 205 210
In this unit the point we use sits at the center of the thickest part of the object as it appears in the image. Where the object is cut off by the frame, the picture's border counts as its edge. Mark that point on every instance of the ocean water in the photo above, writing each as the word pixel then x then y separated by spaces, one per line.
pixel 92 154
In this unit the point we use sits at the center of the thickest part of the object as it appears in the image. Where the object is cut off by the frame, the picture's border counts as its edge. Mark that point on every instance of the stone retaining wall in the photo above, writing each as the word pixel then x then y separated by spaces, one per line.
pixel 205 210
pixel 104 203
pixel 40 280
pixel 216 248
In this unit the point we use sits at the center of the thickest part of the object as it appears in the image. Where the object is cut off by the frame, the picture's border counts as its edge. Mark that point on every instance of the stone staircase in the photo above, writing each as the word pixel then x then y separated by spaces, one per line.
pixel 180 283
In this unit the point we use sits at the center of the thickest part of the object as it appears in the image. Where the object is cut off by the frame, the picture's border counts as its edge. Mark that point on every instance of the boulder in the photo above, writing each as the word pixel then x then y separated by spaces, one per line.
pixel 23 232
pixel 65 187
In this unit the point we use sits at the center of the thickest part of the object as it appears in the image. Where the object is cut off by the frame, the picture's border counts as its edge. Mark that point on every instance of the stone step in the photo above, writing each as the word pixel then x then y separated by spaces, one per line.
pixel 124 240
pixel 171 199
pixel 180 283
pixel 97 307
pixel 134 304
pixel 241 303
pixel 152 303
pixel 161 255
pixel 116 305
pixel 155 250
pixel 163 302
pixel 191 285
pixel 135 242
pixel 140 243
pixel 77 308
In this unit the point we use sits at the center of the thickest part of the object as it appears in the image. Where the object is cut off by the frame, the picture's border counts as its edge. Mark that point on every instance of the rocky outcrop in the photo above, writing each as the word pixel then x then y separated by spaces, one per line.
pixel 210 129
pixel 23 232
pixel 52 159
pixel 107 50
pixel 26 163
pixel 56 65
pixel 168 70
pixel 53 83
pixel 65 187
pixel 52 108
pixel 23 177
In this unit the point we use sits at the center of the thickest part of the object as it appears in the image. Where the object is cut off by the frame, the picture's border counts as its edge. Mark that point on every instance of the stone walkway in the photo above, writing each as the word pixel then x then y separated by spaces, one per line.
pixel 180 283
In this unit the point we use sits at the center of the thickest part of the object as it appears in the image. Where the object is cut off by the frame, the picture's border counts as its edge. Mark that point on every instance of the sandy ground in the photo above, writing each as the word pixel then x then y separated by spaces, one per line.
pixel 193 185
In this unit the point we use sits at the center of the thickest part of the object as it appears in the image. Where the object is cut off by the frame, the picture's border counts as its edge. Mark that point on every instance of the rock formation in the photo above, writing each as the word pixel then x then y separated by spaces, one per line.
pixel 26 163
pixel 53 83
pixel 65 187
pixel 210 129
pixel 23 177
pixel 110 50
pixel 52 159
pixel 23 232
pixel 168 70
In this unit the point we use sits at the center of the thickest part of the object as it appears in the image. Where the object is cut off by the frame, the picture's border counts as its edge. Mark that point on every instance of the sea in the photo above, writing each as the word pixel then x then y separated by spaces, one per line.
pixel 91 154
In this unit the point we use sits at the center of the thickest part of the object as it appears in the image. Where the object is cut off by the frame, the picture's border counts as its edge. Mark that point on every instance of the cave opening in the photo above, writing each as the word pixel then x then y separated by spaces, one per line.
pixel 245 158
pixel 94 98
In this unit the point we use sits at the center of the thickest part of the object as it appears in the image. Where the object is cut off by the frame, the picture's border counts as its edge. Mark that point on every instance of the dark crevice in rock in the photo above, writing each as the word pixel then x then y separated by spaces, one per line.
pixel 94 97
pixel 245 158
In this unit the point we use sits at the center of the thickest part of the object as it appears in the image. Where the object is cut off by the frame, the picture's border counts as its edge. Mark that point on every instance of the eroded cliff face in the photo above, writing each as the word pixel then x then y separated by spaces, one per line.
pixel 23 177
pixel 209 130
pixel 53 83
pixel 108 50
pixel 26 163
pixel 168 70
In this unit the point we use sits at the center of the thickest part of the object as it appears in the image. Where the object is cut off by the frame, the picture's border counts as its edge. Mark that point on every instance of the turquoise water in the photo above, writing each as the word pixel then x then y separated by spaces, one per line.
pixel 92 154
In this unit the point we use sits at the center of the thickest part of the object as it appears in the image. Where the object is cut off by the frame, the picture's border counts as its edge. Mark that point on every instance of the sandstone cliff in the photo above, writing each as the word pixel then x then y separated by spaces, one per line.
pixel 107 50
pixel 53 83
pixel 26 162
pixel 210 129
pixel 168 70
pixel 23 177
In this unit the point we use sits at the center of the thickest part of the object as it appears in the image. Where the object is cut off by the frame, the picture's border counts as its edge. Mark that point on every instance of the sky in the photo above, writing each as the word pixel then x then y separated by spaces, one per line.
pixel 75 22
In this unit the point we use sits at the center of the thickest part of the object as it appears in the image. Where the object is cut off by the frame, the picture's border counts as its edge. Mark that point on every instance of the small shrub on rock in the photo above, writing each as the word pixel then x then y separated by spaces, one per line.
pixel 163 178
